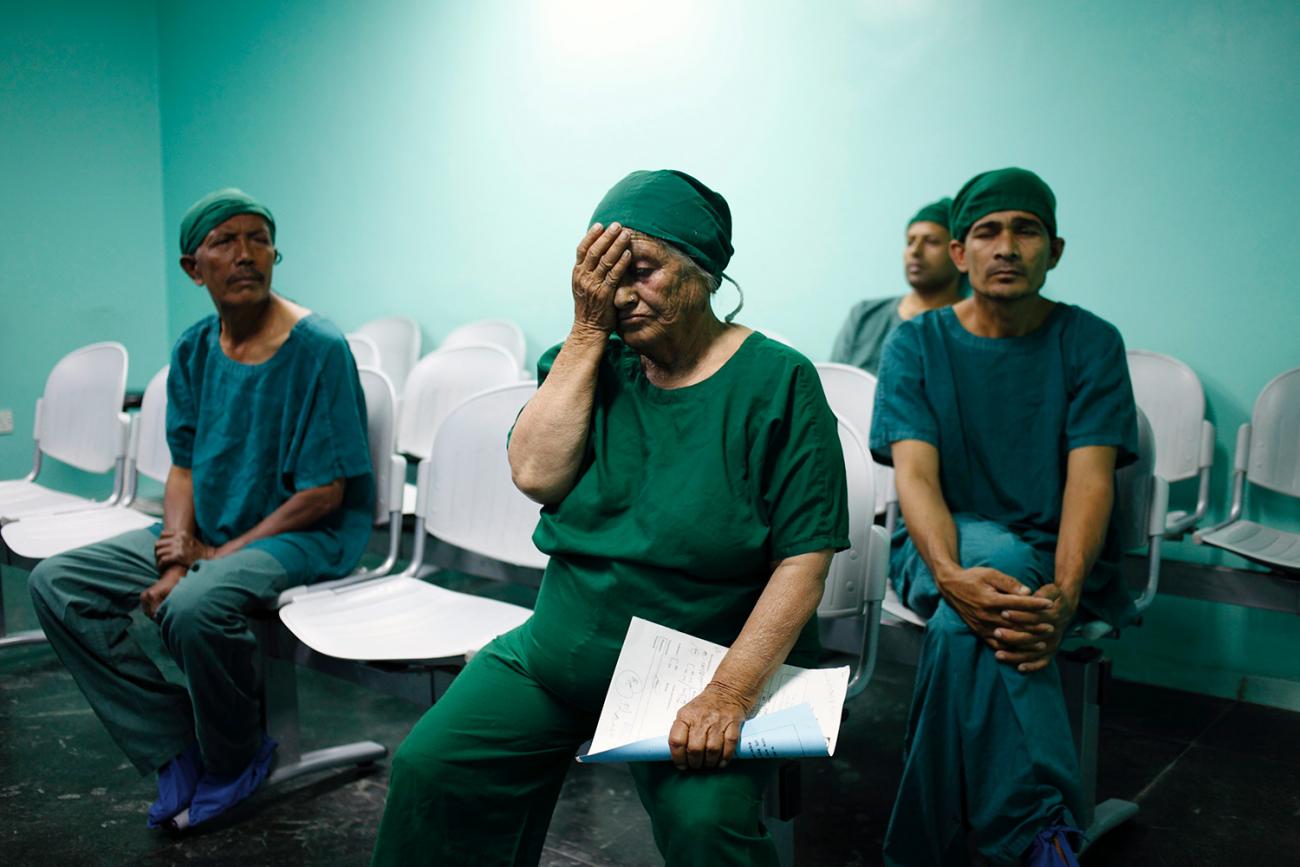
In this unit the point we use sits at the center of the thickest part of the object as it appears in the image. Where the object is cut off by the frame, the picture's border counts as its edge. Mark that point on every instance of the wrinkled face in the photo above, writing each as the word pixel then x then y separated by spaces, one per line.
pixel 234 261
pixel 926 262
pixel 1007 255
pixel 655 297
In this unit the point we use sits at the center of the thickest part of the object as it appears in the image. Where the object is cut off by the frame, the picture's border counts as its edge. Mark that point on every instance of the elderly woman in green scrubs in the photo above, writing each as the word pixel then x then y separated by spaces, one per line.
pixel 691 474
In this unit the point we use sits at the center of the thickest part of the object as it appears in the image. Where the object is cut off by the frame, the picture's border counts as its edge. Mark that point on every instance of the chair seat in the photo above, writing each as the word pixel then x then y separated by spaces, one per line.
pixel 1256 542
pixel 398 618
pixel 43 536
pixel 894 607
pixel 408 499
pixel 20 498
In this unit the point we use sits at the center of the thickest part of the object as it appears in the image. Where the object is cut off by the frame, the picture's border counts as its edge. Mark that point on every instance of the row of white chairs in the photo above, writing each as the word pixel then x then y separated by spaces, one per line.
pixel 392 344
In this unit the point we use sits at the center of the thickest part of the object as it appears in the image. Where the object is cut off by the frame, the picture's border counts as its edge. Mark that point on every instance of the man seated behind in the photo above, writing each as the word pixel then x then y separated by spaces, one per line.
pixel 270 487
pixel 935 283
pixel 1005 417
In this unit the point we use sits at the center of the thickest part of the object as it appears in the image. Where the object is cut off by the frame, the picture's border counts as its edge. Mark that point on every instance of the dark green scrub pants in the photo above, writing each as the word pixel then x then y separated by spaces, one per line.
pixel 989 750
pixel 84 600
pixel 476 780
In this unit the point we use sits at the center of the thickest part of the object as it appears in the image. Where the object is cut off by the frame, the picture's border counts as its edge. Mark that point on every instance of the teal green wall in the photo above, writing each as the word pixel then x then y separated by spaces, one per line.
pixel 441 159
pixel 81 220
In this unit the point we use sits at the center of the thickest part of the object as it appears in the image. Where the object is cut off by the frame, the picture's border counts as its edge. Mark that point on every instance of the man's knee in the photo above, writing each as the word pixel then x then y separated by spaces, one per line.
pixel 54 584
pixel 197 610
pixel 999 548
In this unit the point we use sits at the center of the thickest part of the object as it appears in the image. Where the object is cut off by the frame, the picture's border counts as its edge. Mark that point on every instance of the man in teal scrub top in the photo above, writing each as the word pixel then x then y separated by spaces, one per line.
pixel 1005 417
pixel 935 283
pixel 270 487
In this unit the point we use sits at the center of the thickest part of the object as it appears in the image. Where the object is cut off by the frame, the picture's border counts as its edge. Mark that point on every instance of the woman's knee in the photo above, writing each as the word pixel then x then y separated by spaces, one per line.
pixel 706 818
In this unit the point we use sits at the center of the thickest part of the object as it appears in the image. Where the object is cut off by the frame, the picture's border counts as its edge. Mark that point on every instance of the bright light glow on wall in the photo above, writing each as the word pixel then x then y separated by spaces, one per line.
pixel 583 31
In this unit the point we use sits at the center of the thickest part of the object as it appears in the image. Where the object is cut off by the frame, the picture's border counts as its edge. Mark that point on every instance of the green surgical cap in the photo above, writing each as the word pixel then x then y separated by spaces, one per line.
pixel 214 209
pixel 675 207
pixel 1003 190
pixel 935 212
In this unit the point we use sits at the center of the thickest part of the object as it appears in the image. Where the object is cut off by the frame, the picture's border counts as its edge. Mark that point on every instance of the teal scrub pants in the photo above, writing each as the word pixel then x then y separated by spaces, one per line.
pixel 84 600
pixel 989 751
pixel 476 780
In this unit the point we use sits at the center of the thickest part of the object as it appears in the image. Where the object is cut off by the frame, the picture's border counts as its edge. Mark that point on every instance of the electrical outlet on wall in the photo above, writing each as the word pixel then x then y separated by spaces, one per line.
pixel 6 421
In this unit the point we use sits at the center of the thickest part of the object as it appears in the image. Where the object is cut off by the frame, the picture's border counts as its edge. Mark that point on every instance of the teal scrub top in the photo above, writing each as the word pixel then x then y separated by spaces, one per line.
pixel 255 434
pixel 687 497
pixel 1004 414
pixel 862 337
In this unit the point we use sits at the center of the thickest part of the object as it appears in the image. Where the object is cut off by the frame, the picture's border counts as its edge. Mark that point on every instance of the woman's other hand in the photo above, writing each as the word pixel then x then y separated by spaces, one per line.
pixel 707 729
pixel 603 256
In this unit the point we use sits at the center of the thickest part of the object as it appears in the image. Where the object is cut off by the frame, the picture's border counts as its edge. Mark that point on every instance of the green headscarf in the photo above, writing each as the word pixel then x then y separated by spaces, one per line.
pixel 675 207
pixel 1003 190
pixel 214 209
pixel 935 212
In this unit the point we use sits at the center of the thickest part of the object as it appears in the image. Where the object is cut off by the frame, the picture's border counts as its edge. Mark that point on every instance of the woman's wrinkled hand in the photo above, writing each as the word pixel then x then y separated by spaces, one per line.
pixel 180 548
pixel 707 729
pixel 603 256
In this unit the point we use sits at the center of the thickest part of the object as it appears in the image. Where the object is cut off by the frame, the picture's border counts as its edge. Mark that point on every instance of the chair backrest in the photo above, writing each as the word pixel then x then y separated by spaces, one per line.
pixel 381 429
pixel 851 392
pixel 495 332
pixel 153 457
pixel 1131 518
pixel 78 416
pixel 441 382
pixel 1170 395
pixel 364 350
pixel 473 502
pixel 850 584
pixel 398 340
pixel 1275 435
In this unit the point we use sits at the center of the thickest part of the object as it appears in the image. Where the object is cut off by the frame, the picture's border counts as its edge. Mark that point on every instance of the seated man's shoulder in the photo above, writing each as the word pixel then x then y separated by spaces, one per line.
pixel 1086 325
pixel 870 307
pixel 319 331
pixel 195 339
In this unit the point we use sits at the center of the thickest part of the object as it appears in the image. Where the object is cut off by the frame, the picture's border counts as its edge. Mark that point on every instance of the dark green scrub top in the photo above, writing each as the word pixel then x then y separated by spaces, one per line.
pixel 255 434
pixel 1004 414
pixel 862 337
pixel 687 497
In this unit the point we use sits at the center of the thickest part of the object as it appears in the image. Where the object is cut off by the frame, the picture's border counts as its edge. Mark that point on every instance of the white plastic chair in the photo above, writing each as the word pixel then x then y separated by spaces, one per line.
pixel 494 332
pixel 79 421
pixel 438 384
pixel 1267 455
pixel 851 392
pixel 398 340
pixel 365 352
pixel 1170 395
pixel 42 536
pixel 468 500
pixel 855 585
pixel 1141 507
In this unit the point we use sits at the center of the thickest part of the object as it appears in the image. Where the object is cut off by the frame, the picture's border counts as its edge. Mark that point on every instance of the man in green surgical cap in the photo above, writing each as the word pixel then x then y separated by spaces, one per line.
pixel 935 283
pixel 732 548
pixel 1004 417
pixel 270 487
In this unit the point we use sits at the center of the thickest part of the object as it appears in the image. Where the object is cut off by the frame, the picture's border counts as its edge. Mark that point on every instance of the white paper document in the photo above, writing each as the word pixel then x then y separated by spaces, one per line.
pixel 660 669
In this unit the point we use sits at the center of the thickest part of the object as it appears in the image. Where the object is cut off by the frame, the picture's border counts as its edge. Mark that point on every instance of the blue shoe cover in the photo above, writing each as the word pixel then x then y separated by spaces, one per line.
pixel 177 782
pixel 216 795
pixel 1051 848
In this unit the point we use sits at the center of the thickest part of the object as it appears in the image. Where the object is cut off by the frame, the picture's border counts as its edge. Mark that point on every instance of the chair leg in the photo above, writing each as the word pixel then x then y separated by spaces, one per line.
pixel 280 711
pixel 782 804
pixel 1084 674
pixel 16 639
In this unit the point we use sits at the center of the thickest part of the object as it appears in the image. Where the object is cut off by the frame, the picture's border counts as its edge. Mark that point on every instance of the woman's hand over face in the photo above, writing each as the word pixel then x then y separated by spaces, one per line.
pixel 603 256
pixel 707 729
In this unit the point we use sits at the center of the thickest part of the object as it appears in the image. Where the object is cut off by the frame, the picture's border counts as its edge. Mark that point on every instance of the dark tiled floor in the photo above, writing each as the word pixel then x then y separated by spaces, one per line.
pixel 1218 782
